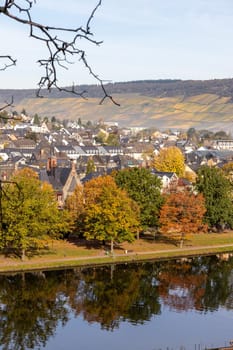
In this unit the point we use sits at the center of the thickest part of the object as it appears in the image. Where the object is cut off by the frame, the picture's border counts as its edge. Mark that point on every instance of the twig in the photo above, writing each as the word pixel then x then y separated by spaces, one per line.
pixel 60 49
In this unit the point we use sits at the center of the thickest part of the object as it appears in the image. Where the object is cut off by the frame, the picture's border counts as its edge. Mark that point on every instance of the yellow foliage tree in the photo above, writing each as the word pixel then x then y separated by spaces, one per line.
pixel 30 214
pixel 170 159
pixel 104 212
pixel 75 206
pixel 228 171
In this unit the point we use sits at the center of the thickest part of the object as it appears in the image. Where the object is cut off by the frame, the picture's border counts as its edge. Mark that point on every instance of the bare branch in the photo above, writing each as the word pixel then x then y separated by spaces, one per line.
pixel 92 16
pixel 60 49
pixel 4 107
pixel 7 104
pixel 12 62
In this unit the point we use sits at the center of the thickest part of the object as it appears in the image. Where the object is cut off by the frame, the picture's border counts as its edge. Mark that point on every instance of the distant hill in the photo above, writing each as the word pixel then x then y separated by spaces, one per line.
pixel 158 103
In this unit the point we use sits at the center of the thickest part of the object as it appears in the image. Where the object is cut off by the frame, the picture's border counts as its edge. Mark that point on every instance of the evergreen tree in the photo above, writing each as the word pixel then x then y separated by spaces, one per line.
pixel 216 189
pixel 36 119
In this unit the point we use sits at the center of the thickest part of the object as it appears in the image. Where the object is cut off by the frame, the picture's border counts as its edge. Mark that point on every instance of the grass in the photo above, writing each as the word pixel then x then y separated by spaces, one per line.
pixel 61 254
pixel 212 239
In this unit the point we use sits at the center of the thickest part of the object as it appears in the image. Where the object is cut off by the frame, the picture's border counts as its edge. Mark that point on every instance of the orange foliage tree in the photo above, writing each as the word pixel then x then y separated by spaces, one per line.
pixel 103 211
pixel 182 214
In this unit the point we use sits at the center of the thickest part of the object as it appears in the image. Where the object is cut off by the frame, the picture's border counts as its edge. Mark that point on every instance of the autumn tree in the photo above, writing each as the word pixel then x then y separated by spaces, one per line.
pixel 101 136
pixel 182 214
pixel 145 189
pixel 75 205
pixel 228 171
pixel 108 214
pixel 216 189
pixel 29 214
pixel 170 159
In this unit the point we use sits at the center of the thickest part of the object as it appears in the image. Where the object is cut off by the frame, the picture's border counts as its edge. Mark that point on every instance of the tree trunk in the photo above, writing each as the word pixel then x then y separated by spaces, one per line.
pixel 182 240
pixel 112 271
pixel 181 243
pixel 23 254
pixel 111 246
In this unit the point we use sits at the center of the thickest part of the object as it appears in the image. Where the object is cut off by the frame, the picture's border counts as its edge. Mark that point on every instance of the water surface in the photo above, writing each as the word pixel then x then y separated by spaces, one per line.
pixel 176 304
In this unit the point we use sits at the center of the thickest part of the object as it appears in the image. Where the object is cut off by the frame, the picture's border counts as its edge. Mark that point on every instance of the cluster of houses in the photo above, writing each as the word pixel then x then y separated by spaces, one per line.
pixel 61 156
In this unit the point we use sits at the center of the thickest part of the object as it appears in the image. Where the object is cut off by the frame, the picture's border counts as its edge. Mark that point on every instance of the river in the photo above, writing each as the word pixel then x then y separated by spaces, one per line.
pixel 171 305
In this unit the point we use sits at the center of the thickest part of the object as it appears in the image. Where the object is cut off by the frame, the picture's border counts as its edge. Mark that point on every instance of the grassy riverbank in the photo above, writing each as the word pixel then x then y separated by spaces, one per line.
pixel 77 252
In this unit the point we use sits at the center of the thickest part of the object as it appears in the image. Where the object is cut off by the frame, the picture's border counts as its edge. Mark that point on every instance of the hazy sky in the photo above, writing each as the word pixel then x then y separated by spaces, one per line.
pixel 142 39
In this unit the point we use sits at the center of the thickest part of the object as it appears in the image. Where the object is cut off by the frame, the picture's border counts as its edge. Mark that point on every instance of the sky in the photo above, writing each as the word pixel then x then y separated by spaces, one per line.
pixel 142 39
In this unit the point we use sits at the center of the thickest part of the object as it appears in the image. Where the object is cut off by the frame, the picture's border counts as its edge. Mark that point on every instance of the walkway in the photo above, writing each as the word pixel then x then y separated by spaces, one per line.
pixel 40 263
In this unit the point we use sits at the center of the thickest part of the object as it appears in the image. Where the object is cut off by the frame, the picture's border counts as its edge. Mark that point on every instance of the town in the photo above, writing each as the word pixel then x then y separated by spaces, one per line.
pixel 65 153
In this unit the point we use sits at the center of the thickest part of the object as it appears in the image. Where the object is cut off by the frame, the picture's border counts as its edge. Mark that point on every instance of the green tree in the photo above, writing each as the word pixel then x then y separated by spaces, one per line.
pixel 24 111
pixel 170 159
pixel 193 135
pixel 89 124
pixel 53 119
pixel 145 189
pixel 112 140
pixel 36 119
pixel 90 166
pixel 206 134
pixel 30 214
pixel 216 189
pixel 79 122
pixel 222 135
pixel 15 113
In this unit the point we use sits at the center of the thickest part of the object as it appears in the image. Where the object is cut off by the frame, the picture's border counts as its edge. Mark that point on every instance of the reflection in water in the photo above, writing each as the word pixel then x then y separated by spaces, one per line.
pixel 34 305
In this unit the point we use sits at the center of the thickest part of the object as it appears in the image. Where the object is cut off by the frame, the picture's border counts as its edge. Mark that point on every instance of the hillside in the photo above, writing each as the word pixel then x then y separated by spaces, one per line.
pixel 162 104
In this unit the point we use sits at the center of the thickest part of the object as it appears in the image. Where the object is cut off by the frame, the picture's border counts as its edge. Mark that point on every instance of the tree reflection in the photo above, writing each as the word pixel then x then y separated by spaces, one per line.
pixel 219 284
pixel 112 294
pixel 32 305
pixel 182 285
pixel 202 283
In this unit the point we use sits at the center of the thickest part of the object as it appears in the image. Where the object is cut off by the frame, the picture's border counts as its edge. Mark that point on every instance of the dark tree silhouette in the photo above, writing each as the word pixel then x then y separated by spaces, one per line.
pixel 63 45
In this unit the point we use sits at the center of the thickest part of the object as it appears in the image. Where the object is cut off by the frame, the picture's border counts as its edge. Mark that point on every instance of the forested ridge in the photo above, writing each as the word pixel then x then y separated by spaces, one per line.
pixel 154 88
pixel 148 103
